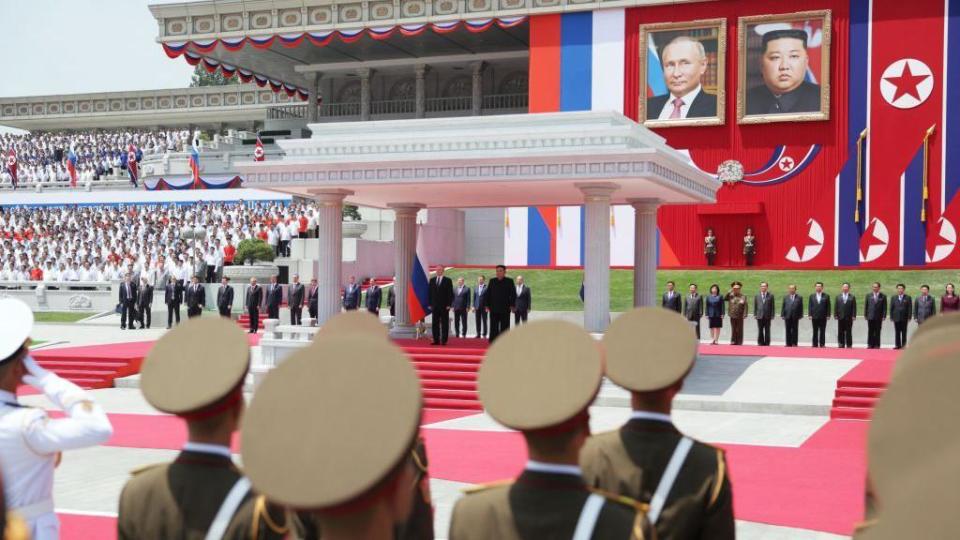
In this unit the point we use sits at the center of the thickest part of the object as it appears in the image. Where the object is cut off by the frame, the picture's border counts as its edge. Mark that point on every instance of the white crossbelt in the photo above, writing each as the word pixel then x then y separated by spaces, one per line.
pixel 31 512
pixel 588 517
pixel 228 508
pixel 669 477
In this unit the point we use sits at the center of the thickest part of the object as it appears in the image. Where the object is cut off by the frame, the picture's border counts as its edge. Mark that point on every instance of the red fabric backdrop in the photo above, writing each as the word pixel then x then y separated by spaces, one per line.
pixel 787 207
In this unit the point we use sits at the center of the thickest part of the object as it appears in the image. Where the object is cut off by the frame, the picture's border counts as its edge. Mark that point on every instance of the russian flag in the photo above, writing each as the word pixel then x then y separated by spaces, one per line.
pixel 72 166
pixel 195 161
pixel 418 294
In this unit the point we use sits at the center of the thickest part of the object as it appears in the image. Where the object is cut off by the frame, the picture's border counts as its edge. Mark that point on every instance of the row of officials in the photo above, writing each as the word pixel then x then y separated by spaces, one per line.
pixel 877 307
pixel 331 442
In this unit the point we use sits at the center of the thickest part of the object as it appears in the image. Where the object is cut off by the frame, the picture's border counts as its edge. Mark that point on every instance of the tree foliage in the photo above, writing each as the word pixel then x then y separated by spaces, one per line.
pixel 351 212
pixel 254 250
pixel 201 77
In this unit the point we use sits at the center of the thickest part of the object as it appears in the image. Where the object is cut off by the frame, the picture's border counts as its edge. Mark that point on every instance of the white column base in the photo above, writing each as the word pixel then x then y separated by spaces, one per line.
pixel 596 263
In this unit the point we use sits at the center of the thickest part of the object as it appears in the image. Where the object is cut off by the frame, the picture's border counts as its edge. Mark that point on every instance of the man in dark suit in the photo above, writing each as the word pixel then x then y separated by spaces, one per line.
pixel 524 303
pixel 792 311
pixel 818 308
pixel 440 299
pixel 924 306
pixel 351 295
pixel 173 297
pixel 295 294
pixel 145 303
pixel 313 299
pixel 783 66
pixel 763 311
pixel 461 304
pixel 480 308
pixel 252 304
pixel 693 308
pixel 684 62
pixel 128 302
pixel 225 297
pixel 274 297
pixel 392 298
pixel 501 300
pixel 901 311
pixel 374 298
pixel 196 298
pixel 875 311
pixel 845 312
pixel 671 299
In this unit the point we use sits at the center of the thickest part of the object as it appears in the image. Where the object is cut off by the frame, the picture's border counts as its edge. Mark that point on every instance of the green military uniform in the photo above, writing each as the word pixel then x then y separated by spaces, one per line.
pixel 540 379
pixel 737 310
pixel 684 481
pixel 202 492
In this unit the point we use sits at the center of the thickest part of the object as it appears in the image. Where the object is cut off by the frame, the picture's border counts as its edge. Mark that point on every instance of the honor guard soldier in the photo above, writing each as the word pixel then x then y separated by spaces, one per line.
pixel 649 353
pixel 540 379
pixel 201 494
pixel 30 441
pixel 351 468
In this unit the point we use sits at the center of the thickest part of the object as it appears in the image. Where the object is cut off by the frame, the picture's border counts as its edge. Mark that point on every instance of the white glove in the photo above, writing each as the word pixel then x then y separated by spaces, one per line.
pixel 60 391
pixel 36 375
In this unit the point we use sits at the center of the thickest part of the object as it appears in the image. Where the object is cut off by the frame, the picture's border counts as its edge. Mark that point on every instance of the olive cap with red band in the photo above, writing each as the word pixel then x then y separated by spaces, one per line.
pixel 649 349
pixel 352 322
pixel 16 327
pixel 331 423
pixel 195 366
pixel 540 375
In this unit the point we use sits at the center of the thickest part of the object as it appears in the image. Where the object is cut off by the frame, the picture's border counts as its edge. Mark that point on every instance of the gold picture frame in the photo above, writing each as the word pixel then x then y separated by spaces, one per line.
pixel 712 34
pixel 755 97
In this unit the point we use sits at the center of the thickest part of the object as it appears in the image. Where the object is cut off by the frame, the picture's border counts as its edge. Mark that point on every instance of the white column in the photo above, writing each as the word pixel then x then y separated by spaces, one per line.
pixel 313 87
pixel 645 251
pixel 364 74
pixel 330 224
pixel 596 263
pixel 404 249
pixel 476 88
pixel 420 99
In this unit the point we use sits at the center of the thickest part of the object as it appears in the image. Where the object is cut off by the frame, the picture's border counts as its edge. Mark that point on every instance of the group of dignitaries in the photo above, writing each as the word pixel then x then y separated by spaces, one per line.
pixel 901 308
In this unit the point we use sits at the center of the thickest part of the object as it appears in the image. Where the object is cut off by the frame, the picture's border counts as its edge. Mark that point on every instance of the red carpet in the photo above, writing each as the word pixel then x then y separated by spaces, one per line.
pixel 858 391
pixel 448 373
pixel 87 527
pixel 798 352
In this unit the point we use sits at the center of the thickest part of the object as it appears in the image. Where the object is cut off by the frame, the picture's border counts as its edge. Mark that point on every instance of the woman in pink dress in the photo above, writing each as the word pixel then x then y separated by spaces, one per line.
pixel 949 301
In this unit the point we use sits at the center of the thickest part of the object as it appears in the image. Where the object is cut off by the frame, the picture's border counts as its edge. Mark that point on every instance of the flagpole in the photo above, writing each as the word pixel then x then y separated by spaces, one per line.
pixel 860 140
pixel 926 160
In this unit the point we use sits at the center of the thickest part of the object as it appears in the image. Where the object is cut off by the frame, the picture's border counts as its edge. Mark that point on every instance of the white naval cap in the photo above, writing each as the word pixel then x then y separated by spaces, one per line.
pixel 15 331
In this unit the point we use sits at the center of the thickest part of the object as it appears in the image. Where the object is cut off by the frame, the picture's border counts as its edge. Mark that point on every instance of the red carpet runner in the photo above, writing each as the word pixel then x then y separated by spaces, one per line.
pixel 448 373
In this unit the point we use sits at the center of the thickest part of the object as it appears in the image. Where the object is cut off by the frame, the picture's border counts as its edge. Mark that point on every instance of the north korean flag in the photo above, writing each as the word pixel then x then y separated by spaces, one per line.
pixel 258 153
pixel 12 167
pixel 72 166
pixel 131 160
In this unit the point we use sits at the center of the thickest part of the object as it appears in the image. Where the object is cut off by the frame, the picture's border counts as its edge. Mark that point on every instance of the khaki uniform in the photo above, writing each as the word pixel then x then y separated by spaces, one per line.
pixel 541 505
pixel 180 500
pixel 737 310
pixel 632 461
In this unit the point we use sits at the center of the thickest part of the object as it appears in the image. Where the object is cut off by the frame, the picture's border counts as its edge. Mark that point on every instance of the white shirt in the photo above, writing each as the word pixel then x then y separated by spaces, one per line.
pixel 646 415
pixel 539 466
pixel 206 448
pixel 684 108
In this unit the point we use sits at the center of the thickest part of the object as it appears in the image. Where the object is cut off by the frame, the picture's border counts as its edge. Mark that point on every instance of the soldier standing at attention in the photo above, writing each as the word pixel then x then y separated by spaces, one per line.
pixel 684 481
pixel 201 494
pixel 737 310
pixel 30 441
pixel 350 472
pixel 520 384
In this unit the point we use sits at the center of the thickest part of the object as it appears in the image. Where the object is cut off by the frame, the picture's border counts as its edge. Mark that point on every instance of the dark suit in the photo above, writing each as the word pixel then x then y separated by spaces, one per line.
pixel 763 311
pixel 313 301
pixel 295 301
pixel 672 300
pixel 792 311
pixel 374 299
pixel 901 311
pixel 522 306
pixel 805 98
pixel 225 300
pixel 480 310
pixel 703 106
pixel 693 311
pixel 351 297
pixel 274 297
pixel 128 303
pixel 440 299
pixel 875 311
pixel 924 307
pixel 461 303
pixel 501 299
pixel 845 311
pixel 252 305
pixel 145 305
pixel 196 298
pixel 392 300
pixel 173 297
pixel 819 312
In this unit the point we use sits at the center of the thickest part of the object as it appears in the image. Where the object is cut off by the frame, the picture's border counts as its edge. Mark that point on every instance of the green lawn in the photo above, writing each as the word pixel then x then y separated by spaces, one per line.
pixel 558 290
pixel 59 316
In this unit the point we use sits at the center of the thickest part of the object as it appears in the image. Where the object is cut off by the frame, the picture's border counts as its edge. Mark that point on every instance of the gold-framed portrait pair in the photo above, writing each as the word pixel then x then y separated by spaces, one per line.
pixel 783 70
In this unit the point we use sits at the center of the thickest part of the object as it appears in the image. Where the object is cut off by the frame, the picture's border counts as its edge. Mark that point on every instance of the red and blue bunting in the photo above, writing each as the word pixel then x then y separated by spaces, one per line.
pixel 186 182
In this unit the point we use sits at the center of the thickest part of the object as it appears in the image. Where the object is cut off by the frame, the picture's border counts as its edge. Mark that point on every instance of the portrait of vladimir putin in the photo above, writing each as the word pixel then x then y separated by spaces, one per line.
pixel 684 62
pixel 783 65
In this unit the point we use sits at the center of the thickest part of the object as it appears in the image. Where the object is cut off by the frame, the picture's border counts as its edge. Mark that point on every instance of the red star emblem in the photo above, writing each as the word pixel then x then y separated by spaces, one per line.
pixel 906 83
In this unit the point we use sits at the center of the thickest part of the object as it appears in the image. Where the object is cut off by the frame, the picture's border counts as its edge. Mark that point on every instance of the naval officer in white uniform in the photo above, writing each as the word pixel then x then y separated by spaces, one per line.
pixel 30 441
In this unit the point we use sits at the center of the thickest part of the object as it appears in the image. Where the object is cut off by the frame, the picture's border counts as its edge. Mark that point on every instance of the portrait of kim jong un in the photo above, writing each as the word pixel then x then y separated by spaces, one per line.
pixel 784 68
pixel 683 65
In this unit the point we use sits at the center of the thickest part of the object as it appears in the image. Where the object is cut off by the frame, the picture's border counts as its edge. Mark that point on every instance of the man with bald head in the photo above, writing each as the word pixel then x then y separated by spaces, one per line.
pixel 684 63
